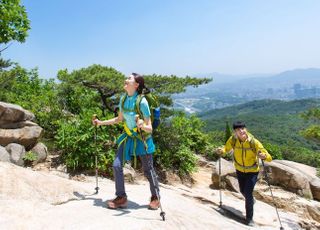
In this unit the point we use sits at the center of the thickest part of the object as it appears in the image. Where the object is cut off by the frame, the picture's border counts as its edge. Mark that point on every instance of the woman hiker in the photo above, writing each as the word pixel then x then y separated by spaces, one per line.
pixel 131 143
pixel 246 153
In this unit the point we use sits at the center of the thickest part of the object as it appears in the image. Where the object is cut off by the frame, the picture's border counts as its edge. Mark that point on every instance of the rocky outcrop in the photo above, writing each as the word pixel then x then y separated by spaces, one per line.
pixel 289 178
pixel 10 113
pixel 295 177
pixel 16 126
pixel 26 136
pixel 227 170
pixel 311 173
pixel 29 197
pixel 18 134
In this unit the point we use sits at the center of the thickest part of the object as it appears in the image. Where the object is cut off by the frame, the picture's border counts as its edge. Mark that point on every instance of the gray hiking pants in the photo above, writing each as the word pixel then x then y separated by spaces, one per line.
pixel 149 172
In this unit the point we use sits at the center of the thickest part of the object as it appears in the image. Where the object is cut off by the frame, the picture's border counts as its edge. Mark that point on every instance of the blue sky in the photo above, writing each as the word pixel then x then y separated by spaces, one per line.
pixel 170 36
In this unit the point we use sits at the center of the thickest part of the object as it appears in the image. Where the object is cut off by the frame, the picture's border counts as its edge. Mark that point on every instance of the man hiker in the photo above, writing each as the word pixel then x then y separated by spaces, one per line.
pixel 135 141
pixel 246 153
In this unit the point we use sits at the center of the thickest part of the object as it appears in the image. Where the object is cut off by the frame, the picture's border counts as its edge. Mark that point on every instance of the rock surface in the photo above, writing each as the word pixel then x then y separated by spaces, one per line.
pixel 42 200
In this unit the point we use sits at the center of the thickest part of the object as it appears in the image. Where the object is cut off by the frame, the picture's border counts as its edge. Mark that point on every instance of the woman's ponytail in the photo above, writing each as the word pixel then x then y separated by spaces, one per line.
pixel 142 89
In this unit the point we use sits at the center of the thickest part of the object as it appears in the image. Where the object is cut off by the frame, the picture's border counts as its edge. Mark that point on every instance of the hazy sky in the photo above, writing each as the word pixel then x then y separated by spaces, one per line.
pixel 183 37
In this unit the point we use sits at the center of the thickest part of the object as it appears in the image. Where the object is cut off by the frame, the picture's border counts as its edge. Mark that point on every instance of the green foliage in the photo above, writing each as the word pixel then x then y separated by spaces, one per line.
pixel 14 22
pixel 277 124
pixel 64 110
pixel 25 88
pixel 228 132
pixel 83 89
pixel 29 158
pixel 108 83
pixel 301 155
pixel 313 131
pixel 178 141
pixel 77 85
pixel 76 138
pixel 4 64
pixel 272 121
pixel 274 150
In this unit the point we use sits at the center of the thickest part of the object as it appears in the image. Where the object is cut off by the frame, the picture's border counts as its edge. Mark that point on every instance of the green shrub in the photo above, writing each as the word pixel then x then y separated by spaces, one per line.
pixel 76 139
pixel 301 155
pixel 274 150
pixel 177 143
pixel 29 158
pixel 183 161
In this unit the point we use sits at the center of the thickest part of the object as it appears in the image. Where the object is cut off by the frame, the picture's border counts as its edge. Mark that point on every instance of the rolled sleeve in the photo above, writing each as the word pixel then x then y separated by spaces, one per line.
pixel 144 108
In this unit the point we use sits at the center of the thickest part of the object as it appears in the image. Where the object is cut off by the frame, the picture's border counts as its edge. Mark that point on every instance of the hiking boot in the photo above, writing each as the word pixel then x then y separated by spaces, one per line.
pixel 154 203
pixel 118 202
pixel 250 223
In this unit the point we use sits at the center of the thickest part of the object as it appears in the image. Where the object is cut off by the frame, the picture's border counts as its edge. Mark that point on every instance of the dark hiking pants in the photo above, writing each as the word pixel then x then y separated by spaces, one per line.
pixel 147 165
pixel 247 182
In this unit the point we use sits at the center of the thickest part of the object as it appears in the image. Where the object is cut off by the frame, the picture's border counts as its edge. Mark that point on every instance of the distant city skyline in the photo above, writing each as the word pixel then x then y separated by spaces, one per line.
pixel 171 37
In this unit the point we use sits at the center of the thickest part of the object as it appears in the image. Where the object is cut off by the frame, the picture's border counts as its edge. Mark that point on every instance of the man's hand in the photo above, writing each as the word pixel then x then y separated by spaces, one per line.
pixel 262 156
pixel 219 151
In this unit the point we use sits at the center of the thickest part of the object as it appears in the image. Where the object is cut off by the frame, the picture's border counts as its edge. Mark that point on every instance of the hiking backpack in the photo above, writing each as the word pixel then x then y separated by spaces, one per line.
pixel 154 106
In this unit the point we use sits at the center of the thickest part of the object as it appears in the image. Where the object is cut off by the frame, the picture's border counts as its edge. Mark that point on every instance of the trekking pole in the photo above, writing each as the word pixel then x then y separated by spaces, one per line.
pixel 220 206
pixel 96 157
pixel 162 213
pixel 274 203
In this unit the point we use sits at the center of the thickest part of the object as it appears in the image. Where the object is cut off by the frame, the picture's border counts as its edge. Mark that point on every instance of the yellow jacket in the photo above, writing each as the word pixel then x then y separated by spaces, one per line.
pixel 245 154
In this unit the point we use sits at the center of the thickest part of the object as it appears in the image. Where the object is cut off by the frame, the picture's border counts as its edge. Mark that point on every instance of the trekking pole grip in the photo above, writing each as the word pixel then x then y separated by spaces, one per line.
pixel 139 130
pixel 94 116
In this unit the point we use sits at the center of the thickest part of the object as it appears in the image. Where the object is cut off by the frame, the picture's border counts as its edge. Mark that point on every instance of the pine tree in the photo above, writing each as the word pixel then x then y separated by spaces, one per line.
pixel 228 131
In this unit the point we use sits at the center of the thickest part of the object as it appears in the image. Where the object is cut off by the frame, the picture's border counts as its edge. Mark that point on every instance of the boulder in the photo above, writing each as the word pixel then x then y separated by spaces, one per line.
pixel 232 183
pixel 11 113
pixel 41 151
pixel 17 153
pixel 26 136
pixel 129 173
pixel 315 188
pixel 289 178
pixel 227 168
pixel 4 155
pixel 309 172
pixel 17 125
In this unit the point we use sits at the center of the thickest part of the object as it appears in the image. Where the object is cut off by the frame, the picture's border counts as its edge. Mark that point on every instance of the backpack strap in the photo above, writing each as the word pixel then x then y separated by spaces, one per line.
pixel 251 142
pixel 233 141
pixel 124 97
pixel 122 104
pixel 253 145
pixel 138 101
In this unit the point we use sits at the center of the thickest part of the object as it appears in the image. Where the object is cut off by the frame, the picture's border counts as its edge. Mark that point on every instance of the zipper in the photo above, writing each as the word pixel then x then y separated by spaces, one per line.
pixel 242 157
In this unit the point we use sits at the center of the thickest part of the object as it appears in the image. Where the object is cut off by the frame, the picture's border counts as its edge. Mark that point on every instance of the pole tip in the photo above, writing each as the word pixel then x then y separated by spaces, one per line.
pixel 162 214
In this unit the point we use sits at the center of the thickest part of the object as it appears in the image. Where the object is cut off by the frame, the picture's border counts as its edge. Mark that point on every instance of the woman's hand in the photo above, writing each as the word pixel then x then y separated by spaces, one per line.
pixel 139 123
pixel 96 122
